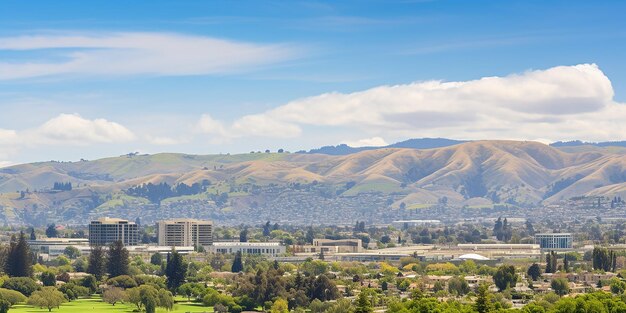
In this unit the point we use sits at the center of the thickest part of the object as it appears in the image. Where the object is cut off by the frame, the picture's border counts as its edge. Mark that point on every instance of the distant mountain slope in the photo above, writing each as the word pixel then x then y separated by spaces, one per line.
pixel 419 143
pixel 575 143
pixel 515 172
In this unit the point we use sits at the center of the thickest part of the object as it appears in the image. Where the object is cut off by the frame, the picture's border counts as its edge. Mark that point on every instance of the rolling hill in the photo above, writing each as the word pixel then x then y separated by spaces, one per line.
pixel 515 172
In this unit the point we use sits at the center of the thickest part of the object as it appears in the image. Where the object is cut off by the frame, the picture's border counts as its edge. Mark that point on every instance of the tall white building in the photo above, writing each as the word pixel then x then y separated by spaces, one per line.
pixel 105 231
pixel 185 232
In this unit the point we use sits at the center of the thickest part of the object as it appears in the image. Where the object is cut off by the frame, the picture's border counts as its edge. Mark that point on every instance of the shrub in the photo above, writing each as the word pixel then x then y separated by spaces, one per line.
pixel 24 285
pixel 12 296
pixel 122 281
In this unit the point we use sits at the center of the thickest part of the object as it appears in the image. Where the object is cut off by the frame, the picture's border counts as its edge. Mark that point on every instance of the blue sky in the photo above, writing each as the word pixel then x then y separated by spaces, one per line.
pixel 92 79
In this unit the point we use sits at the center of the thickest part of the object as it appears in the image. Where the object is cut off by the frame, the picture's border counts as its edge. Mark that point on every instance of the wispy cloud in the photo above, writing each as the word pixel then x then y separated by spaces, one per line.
pixel 137 53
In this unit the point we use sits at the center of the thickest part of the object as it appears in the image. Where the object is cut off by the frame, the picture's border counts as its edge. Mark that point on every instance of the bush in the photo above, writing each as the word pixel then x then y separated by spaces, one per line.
pixel 122 281
pixel 12 296
pixel 73 291
pixel 48 279
pixel 24 285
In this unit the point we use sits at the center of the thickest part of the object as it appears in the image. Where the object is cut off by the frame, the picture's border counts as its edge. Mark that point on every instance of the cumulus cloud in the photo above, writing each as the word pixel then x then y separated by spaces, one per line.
pixel 136 53
pixel 62 130
pixel 560 103
pixel 74 129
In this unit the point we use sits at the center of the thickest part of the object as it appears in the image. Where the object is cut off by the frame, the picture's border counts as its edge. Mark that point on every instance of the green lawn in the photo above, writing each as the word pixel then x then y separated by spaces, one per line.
pixel 96 305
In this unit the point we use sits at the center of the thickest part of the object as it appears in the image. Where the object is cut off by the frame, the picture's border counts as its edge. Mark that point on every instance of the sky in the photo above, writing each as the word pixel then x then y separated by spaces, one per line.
pixel 93 79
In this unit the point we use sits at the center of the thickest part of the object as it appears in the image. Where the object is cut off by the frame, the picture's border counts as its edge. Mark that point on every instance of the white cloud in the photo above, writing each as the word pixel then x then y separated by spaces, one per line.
pixel 7 136
pixel 135 53
pixel 247 126
pixel 367 142
pixel 63 130
pixel 209 125
pixel 74 129
pixel 560 103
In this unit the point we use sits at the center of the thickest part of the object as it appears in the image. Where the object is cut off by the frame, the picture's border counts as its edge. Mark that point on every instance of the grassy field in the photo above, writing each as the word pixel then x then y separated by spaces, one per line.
pixel 96 305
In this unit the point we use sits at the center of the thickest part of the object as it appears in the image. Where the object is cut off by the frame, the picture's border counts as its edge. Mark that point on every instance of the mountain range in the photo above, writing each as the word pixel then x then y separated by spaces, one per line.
pixel 468 173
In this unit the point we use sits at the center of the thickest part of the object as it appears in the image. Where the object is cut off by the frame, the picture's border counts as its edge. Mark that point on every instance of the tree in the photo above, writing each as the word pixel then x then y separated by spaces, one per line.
pixel 71 252
pixel 33 236
pixel 530 228
pixel 4 306
pixel 280 306
pixel 458 286
pixel 617 286
pixel 117 259
pixel 560 286
pixel 385 239
pixel 497 229
pixel 48 279
pixel 267 229
pixel 51 231
pixel 237 263
pixel 243 235
pixel 166 299
pixel 97 262
pixel 565 263
pixel 534 271
pixel 363 304
pixel 19 258
pixel 190 289
pixel 156 259
pixel 548 263
pixel 483 302
pixel 122 281
pixel 602 259
pixel 324 289
pixel 310 235
pixel 384 286
pixel 505 277
pixel 89 282
pixel 113 295
pixel 47 297
pixel 148 298
pixel 175 270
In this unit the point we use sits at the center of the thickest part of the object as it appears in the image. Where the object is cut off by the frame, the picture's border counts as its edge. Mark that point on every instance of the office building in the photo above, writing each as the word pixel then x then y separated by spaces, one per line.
pixel 105 231
pixel 50 248
pixel 341 245
pixel 185 233
pixel 554 240
pixel 271 249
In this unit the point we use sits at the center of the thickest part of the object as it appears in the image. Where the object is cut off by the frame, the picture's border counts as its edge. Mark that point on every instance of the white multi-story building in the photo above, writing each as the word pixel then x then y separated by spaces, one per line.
pixel 105 231
pixel 185 232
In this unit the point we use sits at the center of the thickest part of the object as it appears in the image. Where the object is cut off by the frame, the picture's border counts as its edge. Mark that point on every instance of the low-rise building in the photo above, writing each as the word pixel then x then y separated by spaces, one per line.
pixel 271 249
pixel 341 245
pixel 554 241
pixel 50 248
